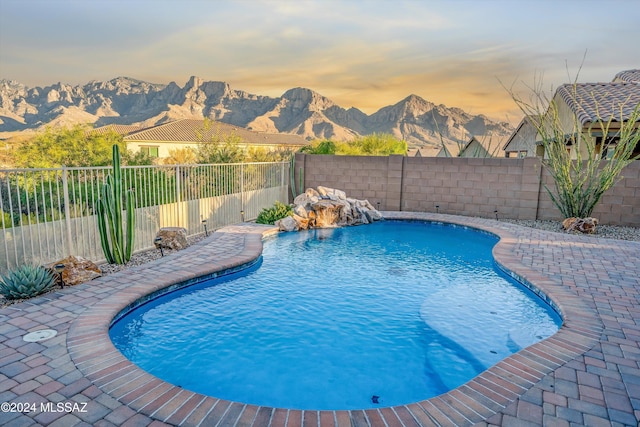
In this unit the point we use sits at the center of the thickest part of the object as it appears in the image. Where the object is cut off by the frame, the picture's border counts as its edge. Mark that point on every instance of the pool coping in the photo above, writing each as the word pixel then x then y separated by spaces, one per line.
pixel 587 373
pixel 96 357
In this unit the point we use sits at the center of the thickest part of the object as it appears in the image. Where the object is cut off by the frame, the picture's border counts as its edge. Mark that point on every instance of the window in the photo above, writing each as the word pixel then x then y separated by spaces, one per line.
pixel 149 150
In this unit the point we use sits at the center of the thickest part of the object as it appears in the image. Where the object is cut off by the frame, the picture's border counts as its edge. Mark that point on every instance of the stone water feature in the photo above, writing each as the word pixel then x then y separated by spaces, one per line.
pixel 327 207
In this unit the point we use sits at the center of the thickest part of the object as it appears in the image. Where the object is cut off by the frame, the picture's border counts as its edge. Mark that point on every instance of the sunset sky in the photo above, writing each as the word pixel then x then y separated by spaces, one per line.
pixel 365 54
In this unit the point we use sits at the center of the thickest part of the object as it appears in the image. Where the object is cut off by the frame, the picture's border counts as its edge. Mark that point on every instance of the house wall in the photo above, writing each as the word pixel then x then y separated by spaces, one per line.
pixel 524 140
pixel 472 187
pixel 164 147
pixel 568 120
pixel 475 149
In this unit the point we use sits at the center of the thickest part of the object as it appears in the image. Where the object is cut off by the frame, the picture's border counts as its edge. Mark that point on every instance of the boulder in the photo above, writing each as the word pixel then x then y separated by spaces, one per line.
pixel 583 225
pixel 328 212
pixel 172 238
pixel 287 224
pixel 76 270
pixel 568 222
pixel 301 211
pixel 307 198
pixel 326 191
pixel 302 223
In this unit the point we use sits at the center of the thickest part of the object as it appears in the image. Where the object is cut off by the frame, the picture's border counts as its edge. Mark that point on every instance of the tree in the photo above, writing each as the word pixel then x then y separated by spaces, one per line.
pixel 260 154
pixel 137 158
pixel 220 147
pixel 580 179
pixel 180 156
pixel 320 147
pixel 376 144
pixel 76 146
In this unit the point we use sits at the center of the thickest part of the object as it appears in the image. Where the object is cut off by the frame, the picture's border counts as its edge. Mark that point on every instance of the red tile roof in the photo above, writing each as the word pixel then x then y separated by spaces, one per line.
pixel 119 129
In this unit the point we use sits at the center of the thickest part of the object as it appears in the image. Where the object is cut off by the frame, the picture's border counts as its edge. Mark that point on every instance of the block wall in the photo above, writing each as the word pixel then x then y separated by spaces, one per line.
pixel 473 187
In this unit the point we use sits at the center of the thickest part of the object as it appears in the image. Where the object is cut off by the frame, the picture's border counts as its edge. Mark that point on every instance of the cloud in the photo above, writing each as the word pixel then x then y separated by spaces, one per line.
pixel 360 53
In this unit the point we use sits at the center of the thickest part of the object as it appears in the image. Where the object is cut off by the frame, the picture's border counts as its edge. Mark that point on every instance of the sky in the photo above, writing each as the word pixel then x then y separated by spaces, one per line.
pixel 358 53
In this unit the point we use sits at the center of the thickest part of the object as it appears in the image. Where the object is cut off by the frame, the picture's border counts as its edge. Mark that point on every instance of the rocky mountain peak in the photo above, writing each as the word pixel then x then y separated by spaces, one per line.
pixel 301 111
pixel 307 98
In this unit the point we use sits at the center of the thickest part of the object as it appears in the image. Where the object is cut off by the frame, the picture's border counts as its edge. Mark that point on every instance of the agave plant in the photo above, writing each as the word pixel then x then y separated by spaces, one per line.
pixel 26 281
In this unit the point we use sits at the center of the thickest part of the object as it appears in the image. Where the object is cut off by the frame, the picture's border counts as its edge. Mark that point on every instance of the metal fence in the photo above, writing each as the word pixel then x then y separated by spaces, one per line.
pixel 48 214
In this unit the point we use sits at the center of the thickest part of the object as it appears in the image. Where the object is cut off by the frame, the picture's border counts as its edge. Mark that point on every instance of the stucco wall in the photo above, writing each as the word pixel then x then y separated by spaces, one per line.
pixel 473 187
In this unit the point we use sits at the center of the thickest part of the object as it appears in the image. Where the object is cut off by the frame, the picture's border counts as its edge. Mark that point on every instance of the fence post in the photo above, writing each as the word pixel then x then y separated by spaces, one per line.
pixel 242 187
pixel 178 218
pixel 67 210
pixel 282 177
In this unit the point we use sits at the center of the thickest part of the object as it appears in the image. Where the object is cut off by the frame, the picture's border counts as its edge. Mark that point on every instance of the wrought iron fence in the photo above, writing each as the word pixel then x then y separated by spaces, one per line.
pixel 48 214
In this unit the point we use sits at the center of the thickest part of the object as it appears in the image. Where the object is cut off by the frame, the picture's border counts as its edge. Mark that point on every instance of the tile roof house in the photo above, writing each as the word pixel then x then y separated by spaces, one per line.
pixel 474 148
pixel 585 105
pixel 593 104
pixel 157 141
pixel 450 150
pixel 479 149
pixel 520 143
pixel 119 129
pixel 631 76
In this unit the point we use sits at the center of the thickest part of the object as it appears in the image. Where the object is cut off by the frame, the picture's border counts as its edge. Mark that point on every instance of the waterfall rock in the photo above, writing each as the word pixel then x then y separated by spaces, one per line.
pixel 327 207
pixel 287 224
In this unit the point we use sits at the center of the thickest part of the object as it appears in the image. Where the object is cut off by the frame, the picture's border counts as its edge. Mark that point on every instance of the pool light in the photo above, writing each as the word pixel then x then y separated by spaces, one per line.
pixel 59 268
pixel 158 243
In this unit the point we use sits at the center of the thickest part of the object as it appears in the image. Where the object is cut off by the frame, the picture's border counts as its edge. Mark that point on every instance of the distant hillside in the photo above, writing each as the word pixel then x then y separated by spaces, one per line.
pixel 298 111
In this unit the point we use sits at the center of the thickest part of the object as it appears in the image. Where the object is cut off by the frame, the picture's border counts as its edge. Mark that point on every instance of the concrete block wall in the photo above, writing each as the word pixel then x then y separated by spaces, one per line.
pixel 473 187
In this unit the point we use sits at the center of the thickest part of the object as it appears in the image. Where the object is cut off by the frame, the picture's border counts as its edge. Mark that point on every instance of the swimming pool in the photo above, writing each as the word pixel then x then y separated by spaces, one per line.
pixel 359 321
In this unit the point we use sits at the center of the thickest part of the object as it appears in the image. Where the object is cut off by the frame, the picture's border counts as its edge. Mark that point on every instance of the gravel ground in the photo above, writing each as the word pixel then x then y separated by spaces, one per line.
pixel 602 231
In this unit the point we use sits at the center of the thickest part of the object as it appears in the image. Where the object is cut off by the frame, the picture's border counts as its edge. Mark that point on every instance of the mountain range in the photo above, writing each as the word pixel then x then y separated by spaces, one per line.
pixel 298 111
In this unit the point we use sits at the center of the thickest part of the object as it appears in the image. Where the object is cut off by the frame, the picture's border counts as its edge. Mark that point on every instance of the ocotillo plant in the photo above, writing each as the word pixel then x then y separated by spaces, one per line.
pixel 109 210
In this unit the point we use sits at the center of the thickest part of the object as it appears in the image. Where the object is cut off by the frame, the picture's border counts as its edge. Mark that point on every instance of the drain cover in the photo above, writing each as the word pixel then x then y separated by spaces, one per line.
pixel 41 335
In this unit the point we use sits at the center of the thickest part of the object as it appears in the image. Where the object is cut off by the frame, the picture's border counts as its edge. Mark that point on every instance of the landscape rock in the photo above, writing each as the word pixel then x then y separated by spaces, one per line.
pixel 583 225
pixel 172 238
pixel 76 270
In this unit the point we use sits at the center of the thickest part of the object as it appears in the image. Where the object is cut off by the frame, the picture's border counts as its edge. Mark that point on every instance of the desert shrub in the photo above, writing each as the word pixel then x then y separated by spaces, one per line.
pixel 581 179
pixel 271 215
pixel 26 281
pixel 376 144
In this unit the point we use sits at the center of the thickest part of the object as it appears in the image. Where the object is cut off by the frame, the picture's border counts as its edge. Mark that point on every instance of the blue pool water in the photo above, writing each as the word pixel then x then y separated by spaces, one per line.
pixel 334 318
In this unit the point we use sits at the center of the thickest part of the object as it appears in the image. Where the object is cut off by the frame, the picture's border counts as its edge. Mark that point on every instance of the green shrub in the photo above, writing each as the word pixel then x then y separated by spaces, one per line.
pixel 274 213
pixel 26 281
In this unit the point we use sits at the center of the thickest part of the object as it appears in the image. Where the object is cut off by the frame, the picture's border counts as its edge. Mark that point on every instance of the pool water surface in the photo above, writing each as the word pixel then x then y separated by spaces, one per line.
pixel 349 318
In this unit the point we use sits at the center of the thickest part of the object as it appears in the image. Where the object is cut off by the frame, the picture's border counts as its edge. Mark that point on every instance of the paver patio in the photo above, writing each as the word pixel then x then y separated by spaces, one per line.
pixel 586 374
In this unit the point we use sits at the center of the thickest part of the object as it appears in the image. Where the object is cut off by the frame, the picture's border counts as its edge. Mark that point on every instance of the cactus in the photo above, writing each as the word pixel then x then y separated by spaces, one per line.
pixel 116 248
pixel 26 281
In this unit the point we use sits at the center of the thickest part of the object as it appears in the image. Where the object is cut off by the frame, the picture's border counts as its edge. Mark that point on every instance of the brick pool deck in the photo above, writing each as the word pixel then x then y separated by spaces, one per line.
pixel 586 374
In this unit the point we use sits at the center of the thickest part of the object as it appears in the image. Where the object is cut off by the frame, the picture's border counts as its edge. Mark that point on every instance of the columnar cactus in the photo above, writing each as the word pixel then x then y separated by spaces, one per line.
pixel 109 210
